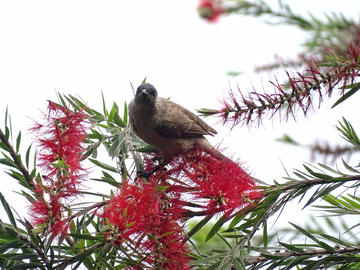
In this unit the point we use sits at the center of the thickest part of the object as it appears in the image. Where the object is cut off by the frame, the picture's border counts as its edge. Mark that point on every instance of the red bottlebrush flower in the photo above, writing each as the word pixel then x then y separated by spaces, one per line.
pixel 60 140
pixel 48 215
pixel 132 210
pixel 297 94
pixel 223 184
pixel 210 10
pixel 147 216
pixel 141 206
pixel 166 246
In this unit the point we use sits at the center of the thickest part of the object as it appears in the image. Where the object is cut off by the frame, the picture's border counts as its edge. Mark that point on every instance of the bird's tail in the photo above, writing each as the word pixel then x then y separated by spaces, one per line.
pixel 214 151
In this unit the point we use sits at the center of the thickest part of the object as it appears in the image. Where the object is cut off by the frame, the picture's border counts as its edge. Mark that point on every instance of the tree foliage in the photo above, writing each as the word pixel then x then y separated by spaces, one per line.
pixel 140 222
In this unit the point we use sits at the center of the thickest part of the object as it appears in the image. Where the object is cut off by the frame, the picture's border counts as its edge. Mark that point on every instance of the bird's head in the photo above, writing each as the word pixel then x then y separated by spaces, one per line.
pixel 146 93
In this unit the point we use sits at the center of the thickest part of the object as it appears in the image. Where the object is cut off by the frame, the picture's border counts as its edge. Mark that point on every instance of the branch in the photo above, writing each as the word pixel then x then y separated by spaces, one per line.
pixel 297 94
pixel 291 191
pixel 31 244
pixel 16 160
pixel 318 181
pixel 74 258
pixel 283 255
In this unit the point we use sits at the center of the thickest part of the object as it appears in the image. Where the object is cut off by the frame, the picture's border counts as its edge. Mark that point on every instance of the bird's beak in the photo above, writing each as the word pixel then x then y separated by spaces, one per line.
pixel 144 96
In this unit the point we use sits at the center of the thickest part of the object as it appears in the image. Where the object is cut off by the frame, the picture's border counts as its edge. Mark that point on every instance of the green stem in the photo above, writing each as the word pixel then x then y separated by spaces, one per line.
pixel 16 160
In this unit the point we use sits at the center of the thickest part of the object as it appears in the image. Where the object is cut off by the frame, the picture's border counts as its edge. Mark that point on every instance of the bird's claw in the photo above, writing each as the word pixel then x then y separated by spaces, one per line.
pixel 146 174
pixel 143 174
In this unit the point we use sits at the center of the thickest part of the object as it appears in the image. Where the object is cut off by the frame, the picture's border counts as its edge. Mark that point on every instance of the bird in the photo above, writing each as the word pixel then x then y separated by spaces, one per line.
pixel 166 125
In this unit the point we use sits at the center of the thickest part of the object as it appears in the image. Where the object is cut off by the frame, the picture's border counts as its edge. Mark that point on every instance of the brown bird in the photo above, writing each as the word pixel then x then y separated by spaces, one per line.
pixel 169 127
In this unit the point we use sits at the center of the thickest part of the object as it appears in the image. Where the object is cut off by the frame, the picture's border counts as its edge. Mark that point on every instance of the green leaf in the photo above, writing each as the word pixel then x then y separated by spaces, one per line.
pixel 84 225
pixel 265 235
pixel 118 145
pixel 31 265
pixel 61 99
pixel 23 256
pixel 107 180
pixel 287 139
pixel 125 117
pixel 7 133
pixel 207 260
pixel 217 226
pixel 354 205
pixel 236 219
pixel 3 146
pixel 147 149
pixel 105 264
pixel 347 166
pixel 97 118
pixel 352 91
pixel 321 192
pixel 312 237
pixel 27 157
pixel 7 162
pixel 291 247
pixel 133 89
pixel 319 175
pixel 239 264
pixel 328 168
pixel 18 140
pixel 104 106
pixel 336 240
pixel 332 200
pixel 103 165
pixel 6 115
pixel 96 134
pixel 119 121
pixel 8 210
pixel 114 109
pixel 296 261
pixel 304 232
pixel 272 256
pixel 198 226
pixel 83 236
pixel 10 244
pixel 348 133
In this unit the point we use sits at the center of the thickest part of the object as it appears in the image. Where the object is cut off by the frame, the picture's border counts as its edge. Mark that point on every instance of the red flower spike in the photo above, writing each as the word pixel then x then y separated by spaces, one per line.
pixel 143 216
pixel 133 209
pixel 60 140
pixel 297 94
pixel 167 247
pixel 223 183
pixel 147 216
pixel 210 10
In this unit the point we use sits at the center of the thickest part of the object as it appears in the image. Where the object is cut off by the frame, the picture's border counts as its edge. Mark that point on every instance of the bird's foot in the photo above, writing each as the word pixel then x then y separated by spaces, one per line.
pixel 147 174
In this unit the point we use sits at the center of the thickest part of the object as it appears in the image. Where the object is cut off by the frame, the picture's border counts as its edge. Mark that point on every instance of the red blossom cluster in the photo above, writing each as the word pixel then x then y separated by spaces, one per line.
pixel 147 217
pixel 297 94
pixel 222 184
pixel 327 150
pixel 210 9
pixel 60 152
pixel 144 220
pixel 280 62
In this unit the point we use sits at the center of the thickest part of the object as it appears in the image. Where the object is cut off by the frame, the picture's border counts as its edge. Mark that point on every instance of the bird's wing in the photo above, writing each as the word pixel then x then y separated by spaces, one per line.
pixel 177 122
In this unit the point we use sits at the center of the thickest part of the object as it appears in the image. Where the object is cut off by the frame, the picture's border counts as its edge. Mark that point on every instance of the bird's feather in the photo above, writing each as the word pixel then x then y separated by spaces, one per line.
pixel 178 122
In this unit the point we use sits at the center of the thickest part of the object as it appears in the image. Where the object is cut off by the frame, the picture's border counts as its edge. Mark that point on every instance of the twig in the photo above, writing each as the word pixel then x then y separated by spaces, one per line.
pixel 17 161
pixel 74 258
pixel 31 244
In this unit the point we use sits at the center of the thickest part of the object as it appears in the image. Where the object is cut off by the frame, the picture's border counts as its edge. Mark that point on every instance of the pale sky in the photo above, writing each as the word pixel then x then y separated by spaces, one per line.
pixel 85 47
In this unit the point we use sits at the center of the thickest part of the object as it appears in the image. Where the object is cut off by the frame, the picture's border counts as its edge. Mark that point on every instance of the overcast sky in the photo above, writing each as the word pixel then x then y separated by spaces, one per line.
pixel 85 47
